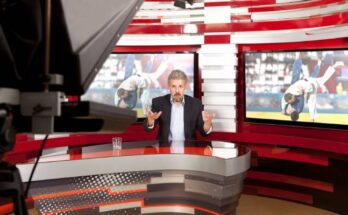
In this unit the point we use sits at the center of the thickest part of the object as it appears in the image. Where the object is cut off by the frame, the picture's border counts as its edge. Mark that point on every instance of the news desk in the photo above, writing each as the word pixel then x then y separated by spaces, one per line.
pixel 202 177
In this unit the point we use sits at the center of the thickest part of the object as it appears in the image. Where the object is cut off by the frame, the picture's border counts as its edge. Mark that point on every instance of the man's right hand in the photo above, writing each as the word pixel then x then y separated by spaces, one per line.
pixel 151 117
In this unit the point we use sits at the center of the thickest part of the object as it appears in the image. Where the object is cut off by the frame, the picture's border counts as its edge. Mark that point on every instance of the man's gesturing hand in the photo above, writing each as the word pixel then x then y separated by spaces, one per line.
pixel 152 116
pixel 207 119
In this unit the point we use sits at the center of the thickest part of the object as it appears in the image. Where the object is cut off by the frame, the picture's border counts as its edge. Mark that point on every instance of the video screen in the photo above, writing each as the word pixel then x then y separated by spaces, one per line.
pixel 308 87
pixel 133 80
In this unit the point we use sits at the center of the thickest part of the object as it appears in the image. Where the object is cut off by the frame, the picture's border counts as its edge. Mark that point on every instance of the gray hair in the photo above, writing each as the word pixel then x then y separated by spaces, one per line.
pixel 177 75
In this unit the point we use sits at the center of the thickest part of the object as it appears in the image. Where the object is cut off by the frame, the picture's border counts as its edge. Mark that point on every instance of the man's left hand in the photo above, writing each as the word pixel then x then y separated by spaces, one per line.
pixel 207 119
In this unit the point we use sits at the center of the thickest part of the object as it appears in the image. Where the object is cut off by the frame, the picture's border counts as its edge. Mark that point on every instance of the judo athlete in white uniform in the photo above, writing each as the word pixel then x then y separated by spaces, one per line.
pixel 305 91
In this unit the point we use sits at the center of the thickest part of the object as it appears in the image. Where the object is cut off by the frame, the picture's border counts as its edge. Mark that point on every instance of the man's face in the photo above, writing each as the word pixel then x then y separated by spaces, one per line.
pixel 177 89
pixel 124 95
pixel 289 110
pixel 292 100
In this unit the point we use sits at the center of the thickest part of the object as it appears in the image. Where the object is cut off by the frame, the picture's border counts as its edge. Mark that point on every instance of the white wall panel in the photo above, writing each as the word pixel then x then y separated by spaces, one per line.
pixel 218 48
pixel 220 14
pixel 219 100
pixel 223 59
pixel 159 40
pixel 224 125
pixel 218 87
pixel 222 112
pixel 213 94
pixel 299 35
pixel 150 5
pixel 239 11
pixel 218 68
pixel 217 59
pixel 168 13
pixel 219 72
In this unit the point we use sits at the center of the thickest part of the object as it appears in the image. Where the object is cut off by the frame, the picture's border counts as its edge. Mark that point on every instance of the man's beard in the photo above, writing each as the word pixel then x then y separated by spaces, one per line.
pixel 178 98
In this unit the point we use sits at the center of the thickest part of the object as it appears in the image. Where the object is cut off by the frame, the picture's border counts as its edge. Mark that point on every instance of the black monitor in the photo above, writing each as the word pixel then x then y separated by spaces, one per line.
pixel 83 34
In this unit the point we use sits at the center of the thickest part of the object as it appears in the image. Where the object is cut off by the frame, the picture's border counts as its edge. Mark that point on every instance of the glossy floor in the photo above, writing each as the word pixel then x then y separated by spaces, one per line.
pixel 257 205
pixel 250 204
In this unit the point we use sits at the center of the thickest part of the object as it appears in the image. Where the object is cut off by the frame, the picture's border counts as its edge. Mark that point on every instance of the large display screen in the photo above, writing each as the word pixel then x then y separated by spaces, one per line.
pixel 133 80
pixel 308 87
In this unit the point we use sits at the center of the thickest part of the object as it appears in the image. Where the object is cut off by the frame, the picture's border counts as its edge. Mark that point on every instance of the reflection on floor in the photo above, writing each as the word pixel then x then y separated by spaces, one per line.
pixel 255 205
pixel 249 204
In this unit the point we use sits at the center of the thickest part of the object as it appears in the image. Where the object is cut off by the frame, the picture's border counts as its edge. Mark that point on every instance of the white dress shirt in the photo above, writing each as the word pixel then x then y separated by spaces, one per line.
pixel 177 132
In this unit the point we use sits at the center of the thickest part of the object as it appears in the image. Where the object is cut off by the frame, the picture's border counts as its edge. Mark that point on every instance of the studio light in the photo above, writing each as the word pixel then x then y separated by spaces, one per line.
pixel 182 3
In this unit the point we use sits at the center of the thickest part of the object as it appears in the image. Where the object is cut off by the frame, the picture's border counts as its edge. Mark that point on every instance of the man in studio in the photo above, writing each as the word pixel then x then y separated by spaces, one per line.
pixel 178 115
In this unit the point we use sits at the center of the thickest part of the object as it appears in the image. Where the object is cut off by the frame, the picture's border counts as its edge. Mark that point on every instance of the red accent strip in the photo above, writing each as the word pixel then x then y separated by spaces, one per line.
pixel 217 39
pixel 146 21
pixel 291 6
pixel 73 98
pixel 289 195
pixel 132 49
pixel 75 154
pixel 69 193
pixel 246 18
pixel 21 137
pixel 288 154
pixel 239 3
pixel 304 182
pixel 155 29
pixel 8 207
pixel 91 206
pixel 90 190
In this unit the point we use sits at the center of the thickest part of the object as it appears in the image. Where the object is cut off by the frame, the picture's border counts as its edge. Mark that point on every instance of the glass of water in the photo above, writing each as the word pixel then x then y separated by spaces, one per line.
pixel 117 143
